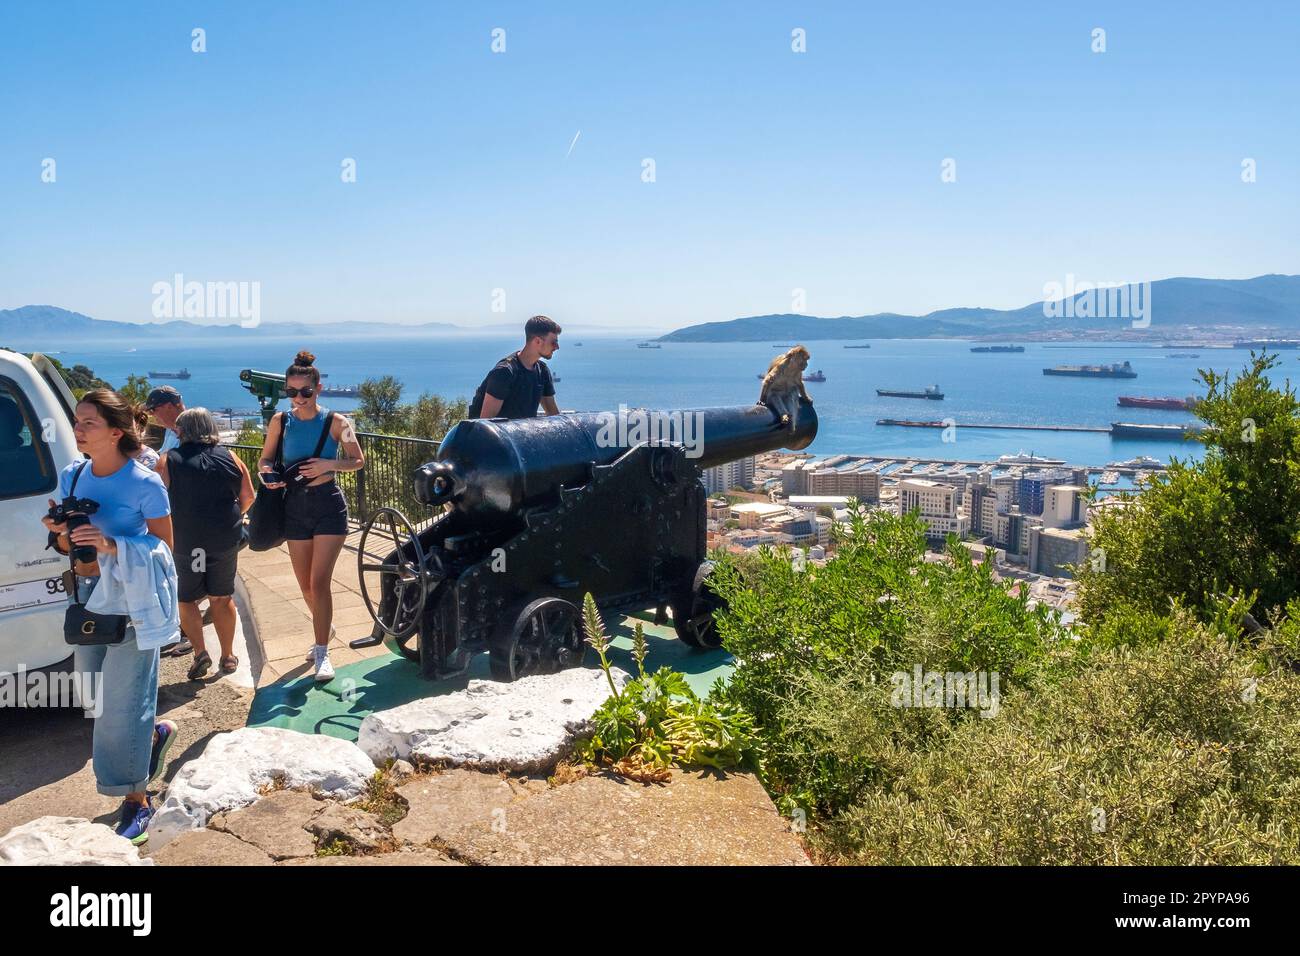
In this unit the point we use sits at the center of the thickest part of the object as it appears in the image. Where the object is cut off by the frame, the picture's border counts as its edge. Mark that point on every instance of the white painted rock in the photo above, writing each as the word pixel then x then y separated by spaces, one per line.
pixel 235 766
pixel 525 725
pixel 67 841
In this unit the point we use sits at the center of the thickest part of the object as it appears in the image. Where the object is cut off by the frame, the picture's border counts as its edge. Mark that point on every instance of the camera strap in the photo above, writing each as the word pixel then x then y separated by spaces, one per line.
pixel 71 584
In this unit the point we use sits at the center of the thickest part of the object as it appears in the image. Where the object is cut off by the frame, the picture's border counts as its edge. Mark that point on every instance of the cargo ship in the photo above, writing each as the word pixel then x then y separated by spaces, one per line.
pixel 648 345
pixel 931 392
pixel 1138 401
pixel 1116 370
pixel 817 376
pixel 182 374
pixel 998 348
pixel 857 346
pixel 1160 432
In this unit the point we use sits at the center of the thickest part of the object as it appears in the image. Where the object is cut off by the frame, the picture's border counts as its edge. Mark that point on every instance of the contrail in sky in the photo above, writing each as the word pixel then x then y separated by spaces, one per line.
pixel 573 144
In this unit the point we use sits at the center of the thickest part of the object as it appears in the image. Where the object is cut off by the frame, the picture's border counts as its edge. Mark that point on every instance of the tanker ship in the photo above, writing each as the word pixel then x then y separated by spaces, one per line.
pixel 1172 404
pixel 931 392
pixel 1117 370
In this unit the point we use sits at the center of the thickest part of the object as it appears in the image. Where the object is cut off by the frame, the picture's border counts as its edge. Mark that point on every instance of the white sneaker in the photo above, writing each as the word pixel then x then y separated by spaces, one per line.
pixel 324 670
pixel 311 651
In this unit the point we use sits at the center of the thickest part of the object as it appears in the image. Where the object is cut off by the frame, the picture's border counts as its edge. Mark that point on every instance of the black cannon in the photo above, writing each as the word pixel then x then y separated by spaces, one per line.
pixel 537 512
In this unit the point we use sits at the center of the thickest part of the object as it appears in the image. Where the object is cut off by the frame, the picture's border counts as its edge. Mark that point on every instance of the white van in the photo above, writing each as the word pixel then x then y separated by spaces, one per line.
pixel 36 443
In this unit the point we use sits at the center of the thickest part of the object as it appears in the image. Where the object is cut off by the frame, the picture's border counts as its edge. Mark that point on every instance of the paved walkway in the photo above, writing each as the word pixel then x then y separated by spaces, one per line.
pixel 283 623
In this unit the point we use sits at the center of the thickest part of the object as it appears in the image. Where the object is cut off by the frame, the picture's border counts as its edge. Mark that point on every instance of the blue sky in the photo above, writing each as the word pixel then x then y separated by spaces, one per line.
pixel 774 170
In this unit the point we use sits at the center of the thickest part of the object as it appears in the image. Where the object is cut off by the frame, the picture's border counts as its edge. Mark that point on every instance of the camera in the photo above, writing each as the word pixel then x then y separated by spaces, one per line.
pixel 75 512
pixel 293 476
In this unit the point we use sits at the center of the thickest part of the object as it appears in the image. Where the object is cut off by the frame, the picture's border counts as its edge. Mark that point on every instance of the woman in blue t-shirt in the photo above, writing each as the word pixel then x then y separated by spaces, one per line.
pixel 128 746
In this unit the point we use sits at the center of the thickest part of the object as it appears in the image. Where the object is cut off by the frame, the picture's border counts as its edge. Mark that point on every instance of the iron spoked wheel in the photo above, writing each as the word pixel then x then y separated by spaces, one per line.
pixel 693 613
pixel 405 569
pixel 543 637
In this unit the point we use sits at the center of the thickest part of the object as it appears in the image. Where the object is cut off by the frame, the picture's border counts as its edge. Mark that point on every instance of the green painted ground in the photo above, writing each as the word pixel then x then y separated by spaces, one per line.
pixel 337 708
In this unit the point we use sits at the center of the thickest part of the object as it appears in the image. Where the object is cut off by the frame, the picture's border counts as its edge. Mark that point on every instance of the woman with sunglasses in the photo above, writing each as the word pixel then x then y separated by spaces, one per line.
pixel 315 514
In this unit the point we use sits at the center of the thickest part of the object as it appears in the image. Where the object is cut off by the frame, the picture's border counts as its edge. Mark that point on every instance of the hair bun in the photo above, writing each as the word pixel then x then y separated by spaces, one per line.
pixel 304 358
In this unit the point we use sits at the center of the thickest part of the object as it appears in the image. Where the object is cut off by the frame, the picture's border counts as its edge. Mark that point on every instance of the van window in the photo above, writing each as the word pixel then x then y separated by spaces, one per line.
pixel 26 467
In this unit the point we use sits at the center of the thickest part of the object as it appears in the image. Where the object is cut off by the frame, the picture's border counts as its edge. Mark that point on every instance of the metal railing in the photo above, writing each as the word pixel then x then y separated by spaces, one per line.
pixel 385 481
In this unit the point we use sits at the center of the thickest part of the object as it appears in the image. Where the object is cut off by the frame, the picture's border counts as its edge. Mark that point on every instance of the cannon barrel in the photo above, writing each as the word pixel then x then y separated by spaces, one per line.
pixel 494 467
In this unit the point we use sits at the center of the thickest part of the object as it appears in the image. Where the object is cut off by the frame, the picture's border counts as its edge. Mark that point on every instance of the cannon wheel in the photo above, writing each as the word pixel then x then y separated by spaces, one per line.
pixel 693 612
pixel 542 637
pixel 409 574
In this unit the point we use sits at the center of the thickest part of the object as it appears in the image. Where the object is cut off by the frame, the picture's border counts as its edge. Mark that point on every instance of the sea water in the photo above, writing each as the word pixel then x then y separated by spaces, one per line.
pixel 606 371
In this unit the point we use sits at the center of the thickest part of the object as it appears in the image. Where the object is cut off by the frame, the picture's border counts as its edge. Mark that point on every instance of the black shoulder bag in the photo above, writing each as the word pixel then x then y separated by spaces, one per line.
pixel 266 517
pixel 82 627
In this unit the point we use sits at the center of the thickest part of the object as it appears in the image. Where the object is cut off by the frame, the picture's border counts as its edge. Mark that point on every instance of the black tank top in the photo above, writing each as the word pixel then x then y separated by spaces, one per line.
pixel 203 484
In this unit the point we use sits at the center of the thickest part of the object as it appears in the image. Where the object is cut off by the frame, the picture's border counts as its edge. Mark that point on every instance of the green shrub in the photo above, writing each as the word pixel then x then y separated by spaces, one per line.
pixel 1167 754
pixel 1229 524
pixel 841 631
pixel 656 721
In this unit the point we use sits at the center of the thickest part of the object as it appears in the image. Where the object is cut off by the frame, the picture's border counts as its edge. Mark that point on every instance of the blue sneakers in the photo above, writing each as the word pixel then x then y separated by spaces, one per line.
pixel 134 825
pixel 164 732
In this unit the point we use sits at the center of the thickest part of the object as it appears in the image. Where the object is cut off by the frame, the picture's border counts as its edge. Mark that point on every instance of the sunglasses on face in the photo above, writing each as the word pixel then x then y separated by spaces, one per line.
pixel 295 392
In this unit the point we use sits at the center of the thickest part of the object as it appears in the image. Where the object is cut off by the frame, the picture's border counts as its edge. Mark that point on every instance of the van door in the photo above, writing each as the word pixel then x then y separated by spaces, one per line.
pixel 30 576
pixel 50 373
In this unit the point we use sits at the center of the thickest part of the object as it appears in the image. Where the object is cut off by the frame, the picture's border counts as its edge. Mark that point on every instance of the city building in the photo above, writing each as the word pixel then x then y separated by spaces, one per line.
pixel 936 503
pixel 1053 550
pixel 1031 488
pixel 732 474
pixel 1065 506
pixel 753 514
pixel 981 508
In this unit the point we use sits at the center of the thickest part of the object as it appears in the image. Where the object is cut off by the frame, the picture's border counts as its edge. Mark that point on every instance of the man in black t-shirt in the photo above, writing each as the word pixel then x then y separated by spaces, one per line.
pixel 521 381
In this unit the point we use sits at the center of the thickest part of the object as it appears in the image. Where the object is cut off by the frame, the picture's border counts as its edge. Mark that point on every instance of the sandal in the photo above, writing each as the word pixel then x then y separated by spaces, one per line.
pixel 229 664
pixel 202 662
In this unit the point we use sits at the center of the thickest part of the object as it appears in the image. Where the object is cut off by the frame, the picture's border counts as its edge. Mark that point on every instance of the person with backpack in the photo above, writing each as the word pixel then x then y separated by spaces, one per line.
pixel 301 455
pixel 210 489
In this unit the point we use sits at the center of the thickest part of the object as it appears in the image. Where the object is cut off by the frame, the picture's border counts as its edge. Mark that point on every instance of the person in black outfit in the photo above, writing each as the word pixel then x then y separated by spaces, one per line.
pixel 521 381
pixel 210 489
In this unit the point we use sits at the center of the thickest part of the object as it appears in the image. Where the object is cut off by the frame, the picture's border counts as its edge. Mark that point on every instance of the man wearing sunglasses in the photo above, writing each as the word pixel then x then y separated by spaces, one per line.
pixel 521 381
pixel 165 405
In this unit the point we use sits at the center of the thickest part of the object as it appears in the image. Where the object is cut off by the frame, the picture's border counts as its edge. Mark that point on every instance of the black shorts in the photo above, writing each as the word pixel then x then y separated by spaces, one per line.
pixel 217 579
pixel 316 509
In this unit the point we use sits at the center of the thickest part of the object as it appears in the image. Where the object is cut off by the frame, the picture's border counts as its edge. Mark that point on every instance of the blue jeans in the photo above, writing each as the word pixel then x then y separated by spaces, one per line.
pixel 128 684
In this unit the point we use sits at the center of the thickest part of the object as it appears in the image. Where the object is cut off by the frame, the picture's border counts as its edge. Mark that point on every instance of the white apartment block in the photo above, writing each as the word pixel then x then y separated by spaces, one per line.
pixel 936 504
pixel 732 474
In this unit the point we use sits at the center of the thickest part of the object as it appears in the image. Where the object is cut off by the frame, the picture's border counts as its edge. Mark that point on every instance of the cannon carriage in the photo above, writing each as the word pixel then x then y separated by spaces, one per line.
pixel 535 513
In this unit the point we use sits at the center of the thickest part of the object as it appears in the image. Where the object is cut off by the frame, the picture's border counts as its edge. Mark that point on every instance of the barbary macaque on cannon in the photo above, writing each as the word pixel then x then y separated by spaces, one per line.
pixel 537 512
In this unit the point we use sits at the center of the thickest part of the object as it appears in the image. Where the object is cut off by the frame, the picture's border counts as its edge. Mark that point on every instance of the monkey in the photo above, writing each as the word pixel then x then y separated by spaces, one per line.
pixel 783 386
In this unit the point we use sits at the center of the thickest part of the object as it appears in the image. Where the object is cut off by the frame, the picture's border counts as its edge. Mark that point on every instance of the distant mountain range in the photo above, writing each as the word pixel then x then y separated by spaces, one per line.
pixel 1262 305
pixel 1264 302
pixel 48 323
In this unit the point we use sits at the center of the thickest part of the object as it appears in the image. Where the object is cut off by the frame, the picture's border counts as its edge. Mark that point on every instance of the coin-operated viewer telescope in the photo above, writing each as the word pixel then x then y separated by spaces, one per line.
pixel 267 388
